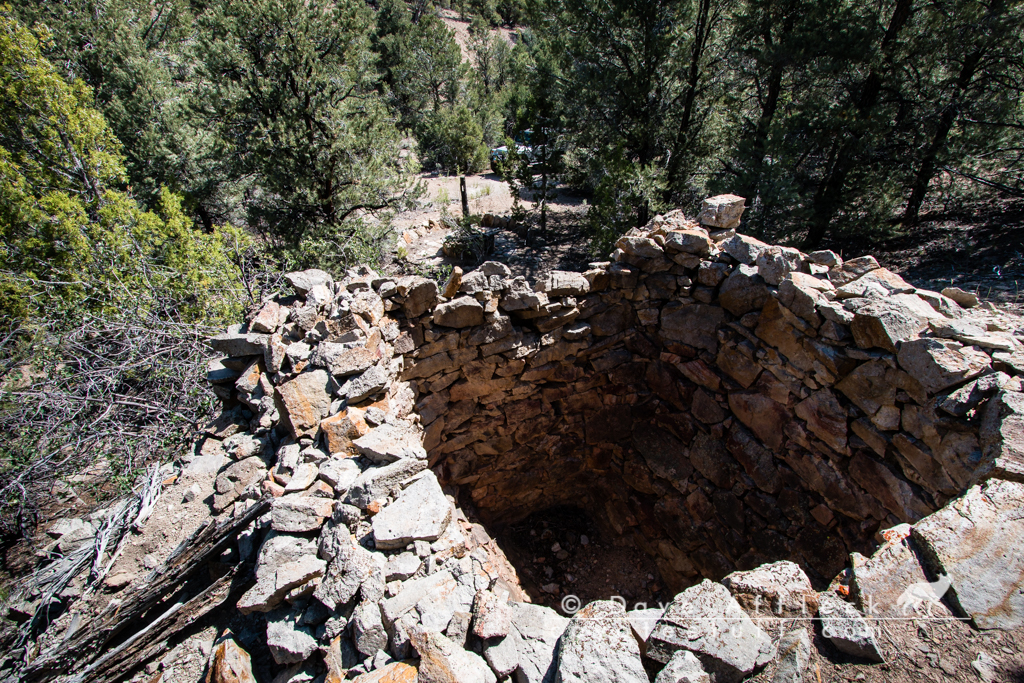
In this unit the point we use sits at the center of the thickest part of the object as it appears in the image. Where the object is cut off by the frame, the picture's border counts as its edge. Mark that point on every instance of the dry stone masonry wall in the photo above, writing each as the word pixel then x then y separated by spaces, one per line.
pixel 720 403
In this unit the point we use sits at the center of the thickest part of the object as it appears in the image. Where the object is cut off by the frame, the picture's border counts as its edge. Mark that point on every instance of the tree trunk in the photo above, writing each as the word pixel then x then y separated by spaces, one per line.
pixel 700 39
pixel 465 196
pixel 830 192
pixel 929 163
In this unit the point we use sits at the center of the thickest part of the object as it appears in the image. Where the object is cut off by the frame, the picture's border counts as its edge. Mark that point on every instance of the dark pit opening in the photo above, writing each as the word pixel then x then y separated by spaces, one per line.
pixel 560 552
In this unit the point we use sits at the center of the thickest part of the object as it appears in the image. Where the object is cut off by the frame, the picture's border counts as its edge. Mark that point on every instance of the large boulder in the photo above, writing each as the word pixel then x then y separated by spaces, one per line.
pixel 743 291
pixel 878 582
pixel 975 541
pixel 707 621
pixel 305 280
pixel 881 324
pixel 598 645
pixel 1002 437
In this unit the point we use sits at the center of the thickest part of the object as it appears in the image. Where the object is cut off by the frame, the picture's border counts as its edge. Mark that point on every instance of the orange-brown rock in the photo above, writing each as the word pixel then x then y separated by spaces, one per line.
pixel 230 664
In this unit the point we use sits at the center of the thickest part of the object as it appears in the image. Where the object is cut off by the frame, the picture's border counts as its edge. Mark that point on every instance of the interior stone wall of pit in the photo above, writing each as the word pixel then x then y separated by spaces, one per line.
pixel 712 437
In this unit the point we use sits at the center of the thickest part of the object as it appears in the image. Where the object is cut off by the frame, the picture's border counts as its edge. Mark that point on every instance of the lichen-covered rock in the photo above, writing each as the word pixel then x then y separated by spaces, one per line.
pixel 306 400
pixel 780 588
pixel 684 667
pixel 938 363
pixel 421 513
pixel 883 325
pixel 462 312
pixel 442 661
pixel 529 650
pixel 598 645
pixel 721 211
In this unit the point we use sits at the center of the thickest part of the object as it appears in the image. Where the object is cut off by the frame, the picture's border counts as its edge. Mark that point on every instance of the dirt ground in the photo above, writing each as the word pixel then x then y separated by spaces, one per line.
pixel 559 553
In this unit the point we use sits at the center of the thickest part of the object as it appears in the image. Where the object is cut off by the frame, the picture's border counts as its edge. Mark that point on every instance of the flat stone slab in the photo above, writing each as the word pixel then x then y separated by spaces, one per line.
pixel 706 620
pixel 976 541
pixel 846 627
pixel 421 513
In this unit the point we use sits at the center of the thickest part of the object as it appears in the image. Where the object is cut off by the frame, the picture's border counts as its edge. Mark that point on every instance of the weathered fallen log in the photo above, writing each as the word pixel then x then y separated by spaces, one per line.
pixel 166 583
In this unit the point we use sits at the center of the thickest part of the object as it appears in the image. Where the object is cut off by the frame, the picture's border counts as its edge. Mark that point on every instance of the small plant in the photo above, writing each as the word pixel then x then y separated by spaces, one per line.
pixel 443 199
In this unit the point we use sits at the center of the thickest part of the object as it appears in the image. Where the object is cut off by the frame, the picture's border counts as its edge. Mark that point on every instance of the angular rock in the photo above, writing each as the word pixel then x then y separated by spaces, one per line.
pixel 938 363
pixel 529 649
pixel 825 418
pixel 348 571
pixel 420 295
pixel 492 614
pixel 852 269
pixel 306 400
pixel 693 324
pixel 975 541
pixel 368 629
pixel 883 325
pixel 1002 437
pixel 875 284
pixel 302 478
pixel 232 482
pixel 442 661
pixel 878 583
pixel 421 513
pixel 288 641
pixel 794 654
pixel 684 667
pixel 693 241
pixel 365 385
pixel 401 567
pixel 395 672
pixel 305 280
pixel 462 312
pixel 707 621
pixel 390 442
pixel 965 299
pixel 413 591
pixel 781 588
pixel 230 664
pixel 237 344
pixel 275 582
pixel 842 624
pixel 776 263
pixel 744 248
pixel 341 428
pixel 299 514
pixel 339 473
pixel 341 360
pixel 376 482
pixel 636 245
pixel 721 211
pixel 743 291
pixel 598 645
pixel 563 283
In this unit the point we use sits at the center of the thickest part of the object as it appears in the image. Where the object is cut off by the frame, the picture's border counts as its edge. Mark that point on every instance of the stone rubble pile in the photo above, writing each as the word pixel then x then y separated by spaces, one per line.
pixel 719 402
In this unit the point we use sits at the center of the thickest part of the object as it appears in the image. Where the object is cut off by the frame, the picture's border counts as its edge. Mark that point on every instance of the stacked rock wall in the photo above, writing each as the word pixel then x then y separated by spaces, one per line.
pixel 718 402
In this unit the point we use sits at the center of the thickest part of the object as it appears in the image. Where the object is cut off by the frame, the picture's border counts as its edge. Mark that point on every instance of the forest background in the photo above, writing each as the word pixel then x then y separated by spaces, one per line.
pixel 162 160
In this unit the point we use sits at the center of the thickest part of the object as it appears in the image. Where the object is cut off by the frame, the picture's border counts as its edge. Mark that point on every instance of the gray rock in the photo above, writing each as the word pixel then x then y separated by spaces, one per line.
pixel 368 629
pixel 273 583
pixel 458 628
pixel 709 622
pixel 775 263
pixel 305 280
pixel 442 661
pixel 721 211
pixel 692 241
pixel 279 548
pixel 391 442
pixel 684 667
pixel 563 283
pixel 529 648
pixel 883 324
pixel 1002 437
pixel 401 567
pixel 412 592
pixel 743 291
pixel 334 540
pixel 744 248
pixel 693 324
pixel 846 627
pixel 377 482
pixel 975 541
pixel 238 344
pixel 420 295
pixel 299 514
pixel 643 621
pixel 421 513
pixel 780 588
pixel 218 373
pixel 346 573
pixel 233 481
pixel 879 582
pixel 365 385
pixel 462 312
pixel 342 360
pixel 302 478
pixel 306 400
pixel 339 473
pixel 598 645
pixel 794 654
pixel 289 642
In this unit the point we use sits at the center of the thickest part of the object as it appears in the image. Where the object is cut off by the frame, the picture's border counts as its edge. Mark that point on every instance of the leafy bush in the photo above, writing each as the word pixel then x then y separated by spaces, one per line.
pixel 453 141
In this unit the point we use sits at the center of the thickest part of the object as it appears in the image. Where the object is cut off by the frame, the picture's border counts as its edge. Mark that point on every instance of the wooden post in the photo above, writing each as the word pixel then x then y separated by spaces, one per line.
pixel 465 196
